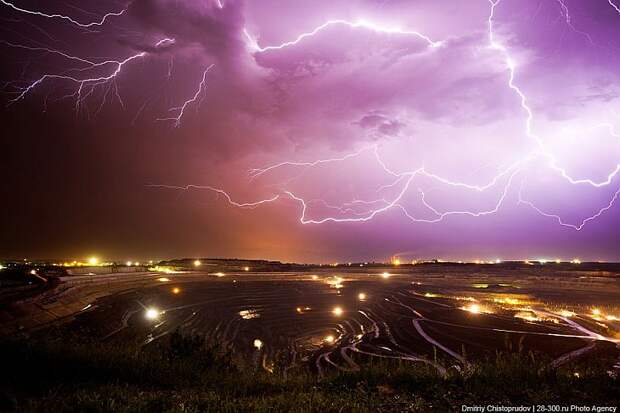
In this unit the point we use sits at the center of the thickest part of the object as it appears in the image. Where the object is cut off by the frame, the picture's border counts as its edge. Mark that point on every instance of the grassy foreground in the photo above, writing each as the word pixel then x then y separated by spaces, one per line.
pixel 187 375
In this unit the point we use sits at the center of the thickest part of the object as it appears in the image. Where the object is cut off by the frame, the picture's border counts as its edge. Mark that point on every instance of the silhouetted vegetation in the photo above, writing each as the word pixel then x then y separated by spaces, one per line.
pixel 189 374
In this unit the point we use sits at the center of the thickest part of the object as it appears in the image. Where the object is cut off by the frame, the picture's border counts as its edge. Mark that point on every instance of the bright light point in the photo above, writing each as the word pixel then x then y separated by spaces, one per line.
pixel 128 263
pixel 299 310
pixel 219 274
pixel 33 272
pixel 315 277
pixel 475 309
pixel 152 313
pixel 329 339
pixel 93 260
pixel 566 313
pixel 246 268
pixel 361 296
pixel 396 262
pixel 498 261
pixel 558 261
pixel 163 279
pixel 197 263
pixel 258 344
pixel 337 311
pixel 176 290
pixel 576 261
pixel 249 314
pixel 596 311
pixel 386 275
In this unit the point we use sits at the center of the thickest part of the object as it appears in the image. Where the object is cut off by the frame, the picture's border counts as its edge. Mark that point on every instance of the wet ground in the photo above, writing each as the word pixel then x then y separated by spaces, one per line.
pixel 334 318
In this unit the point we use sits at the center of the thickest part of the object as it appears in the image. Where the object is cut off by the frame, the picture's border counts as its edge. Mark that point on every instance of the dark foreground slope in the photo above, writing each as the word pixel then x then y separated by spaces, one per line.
pixel 185 374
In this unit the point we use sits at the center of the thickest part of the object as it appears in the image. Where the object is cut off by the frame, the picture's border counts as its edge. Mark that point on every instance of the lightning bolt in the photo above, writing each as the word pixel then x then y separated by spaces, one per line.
pixel 570 24
pixel 559 218
pixel 359 24
pixel 616 8
pixel 408 177
pixel 92 81
pixel 442 215
pixel 257 172
pixel 86 85
pixel 64 17
pixel 81 93
pixel 181 109
pixel 367 217
pixel 226 195
pixel 510 64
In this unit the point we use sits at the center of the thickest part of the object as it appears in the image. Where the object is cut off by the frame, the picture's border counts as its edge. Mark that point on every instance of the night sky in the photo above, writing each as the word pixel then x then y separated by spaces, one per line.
pixel 312 131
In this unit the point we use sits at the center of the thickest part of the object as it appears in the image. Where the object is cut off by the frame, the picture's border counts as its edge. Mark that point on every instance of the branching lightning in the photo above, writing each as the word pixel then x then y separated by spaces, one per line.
pixel 404 181
pixel 100 22
pixel 361 24
pixel 256 172
pixel 560 220
pixel 117 66
pixel 84 85
pixel 408 177
pixel 180 110
pixel 219 192
pixel 569 22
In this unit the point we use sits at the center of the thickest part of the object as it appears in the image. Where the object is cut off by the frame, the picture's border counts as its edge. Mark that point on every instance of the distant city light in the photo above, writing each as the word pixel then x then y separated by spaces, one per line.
pixel 576 261
pixel 163 279
pixel 33 272
pixel 596 311
pixel 386 275
pixel 246 268
pixel 129 263
pixel 176 290
pixel 258 344
pixel 361 296
pixel 396 261
pixel 197 263
pixel 152 313
pixel 219 274
pixel 329 339
pixel 315 277
pixel 93 260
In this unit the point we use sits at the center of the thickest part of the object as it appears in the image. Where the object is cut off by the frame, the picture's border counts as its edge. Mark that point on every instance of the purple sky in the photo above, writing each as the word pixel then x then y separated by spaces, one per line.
pixel 311 131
